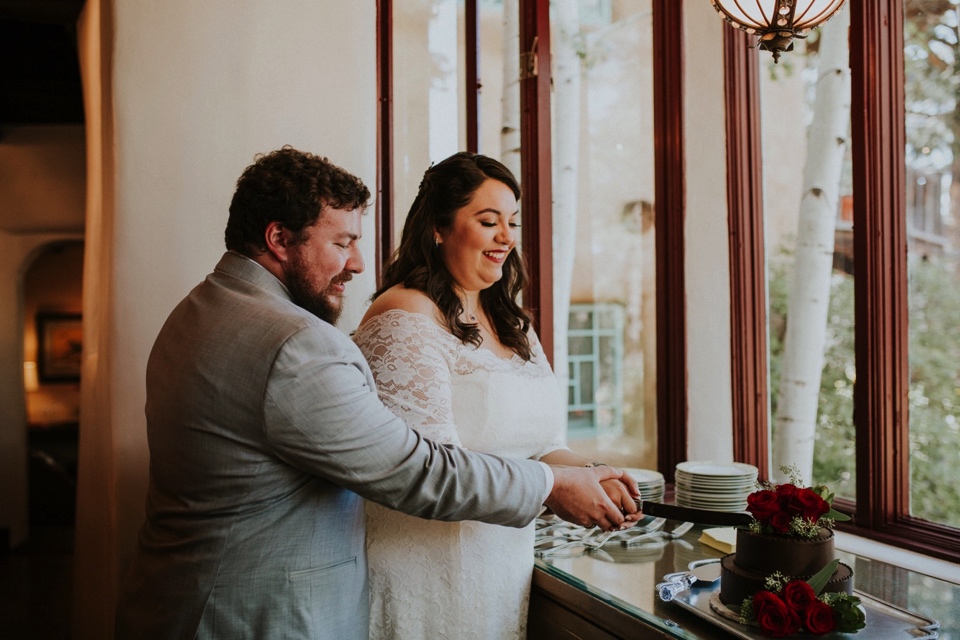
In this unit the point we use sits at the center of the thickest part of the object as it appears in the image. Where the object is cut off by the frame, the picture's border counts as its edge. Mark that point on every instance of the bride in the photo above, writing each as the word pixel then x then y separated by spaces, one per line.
pixel 455 356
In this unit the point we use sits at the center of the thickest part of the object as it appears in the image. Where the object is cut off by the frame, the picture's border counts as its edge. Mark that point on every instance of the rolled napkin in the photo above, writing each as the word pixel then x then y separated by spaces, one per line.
pixel 720 538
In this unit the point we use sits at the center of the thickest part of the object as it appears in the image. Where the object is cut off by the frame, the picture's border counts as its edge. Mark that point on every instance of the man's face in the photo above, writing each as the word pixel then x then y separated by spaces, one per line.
pixel 323 260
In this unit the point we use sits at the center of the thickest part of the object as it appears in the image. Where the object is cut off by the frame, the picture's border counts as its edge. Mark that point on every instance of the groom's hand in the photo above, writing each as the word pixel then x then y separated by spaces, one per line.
pixel 578 497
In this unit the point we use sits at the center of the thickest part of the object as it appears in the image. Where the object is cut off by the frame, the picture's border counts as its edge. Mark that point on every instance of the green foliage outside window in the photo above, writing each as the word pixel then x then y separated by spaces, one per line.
pixel 934 396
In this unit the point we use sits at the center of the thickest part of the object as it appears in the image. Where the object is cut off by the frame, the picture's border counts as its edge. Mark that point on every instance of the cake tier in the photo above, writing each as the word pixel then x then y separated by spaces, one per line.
pixel 765 553
pixel 737 583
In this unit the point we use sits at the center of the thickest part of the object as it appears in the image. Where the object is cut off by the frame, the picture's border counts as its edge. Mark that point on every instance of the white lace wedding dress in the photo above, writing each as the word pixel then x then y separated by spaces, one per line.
pixel 455 580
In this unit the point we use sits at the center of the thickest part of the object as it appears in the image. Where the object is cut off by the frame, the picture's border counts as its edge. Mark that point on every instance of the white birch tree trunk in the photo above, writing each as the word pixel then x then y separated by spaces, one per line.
pixel 510 103
pixel 805 339
pixel 566 174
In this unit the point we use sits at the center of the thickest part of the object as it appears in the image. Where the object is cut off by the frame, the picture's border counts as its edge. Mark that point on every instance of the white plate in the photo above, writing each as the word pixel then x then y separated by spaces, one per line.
pixel 723 469
pixel 712 488
pixel 645 475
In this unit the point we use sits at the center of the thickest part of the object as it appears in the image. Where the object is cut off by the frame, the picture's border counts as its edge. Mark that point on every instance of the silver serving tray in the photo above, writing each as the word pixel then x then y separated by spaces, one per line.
pixel 884 621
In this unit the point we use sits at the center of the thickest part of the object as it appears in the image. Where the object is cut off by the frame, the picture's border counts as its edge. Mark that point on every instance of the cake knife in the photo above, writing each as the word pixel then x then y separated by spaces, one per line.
pixel 698 516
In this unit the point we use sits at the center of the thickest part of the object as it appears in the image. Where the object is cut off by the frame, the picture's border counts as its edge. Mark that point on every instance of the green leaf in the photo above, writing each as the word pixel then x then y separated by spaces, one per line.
pixel 820 580
pixel 836 515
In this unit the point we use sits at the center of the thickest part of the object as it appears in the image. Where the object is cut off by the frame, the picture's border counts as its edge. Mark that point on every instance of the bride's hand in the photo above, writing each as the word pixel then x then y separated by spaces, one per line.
pixel 623 492
pixel 579 496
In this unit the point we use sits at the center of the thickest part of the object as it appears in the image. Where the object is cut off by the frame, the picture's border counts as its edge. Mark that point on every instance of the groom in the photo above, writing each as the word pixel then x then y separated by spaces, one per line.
pixel 266 433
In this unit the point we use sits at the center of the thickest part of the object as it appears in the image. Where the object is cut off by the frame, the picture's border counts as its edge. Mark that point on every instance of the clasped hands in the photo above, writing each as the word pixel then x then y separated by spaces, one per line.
pixel 604 497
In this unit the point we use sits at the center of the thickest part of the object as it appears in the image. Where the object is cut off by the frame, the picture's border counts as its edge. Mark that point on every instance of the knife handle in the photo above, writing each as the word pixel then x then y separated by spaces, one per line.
pixel 668 590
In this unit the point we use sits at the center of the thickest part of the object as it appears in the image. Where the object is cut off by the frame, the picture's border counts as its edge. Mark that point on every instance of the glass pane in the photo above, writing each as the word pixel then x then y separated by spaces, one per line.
pixel 582 345
pixel 805 103
pixel 602 125
pixel 498 72
pixel 427 125
pixel 933 234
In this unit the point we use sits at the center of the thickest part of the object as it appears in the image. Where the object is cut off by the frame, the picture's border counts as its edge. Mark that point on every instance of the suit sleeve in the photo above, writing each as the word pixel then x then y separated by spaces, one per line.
pixel 322 416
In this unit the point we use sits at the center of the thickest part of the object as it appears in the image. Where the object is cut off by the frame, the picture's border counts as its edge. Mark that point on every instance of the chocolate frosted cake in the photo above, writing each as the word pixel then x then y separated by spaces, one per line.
pixel 783 577
pixel 760 555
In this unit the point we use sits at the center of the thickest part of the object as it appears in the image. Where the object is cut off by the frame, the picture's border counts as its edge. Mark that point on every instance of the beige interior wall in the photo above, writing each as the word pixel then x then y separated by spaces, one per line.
pixel 182 95
pixel 42 176
pixel 710 430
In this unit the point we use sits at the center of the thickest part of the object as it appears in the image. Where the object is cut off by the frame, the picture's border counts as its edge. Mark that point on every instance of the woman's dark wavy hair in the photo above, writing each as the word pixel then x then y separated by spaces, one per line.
pixel 290 187
pixel 417 264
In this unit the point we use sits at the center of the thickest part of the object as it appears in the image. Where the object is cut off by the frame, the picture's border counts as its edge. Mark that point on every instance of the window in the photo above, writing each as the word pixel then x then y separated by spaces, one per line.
pixel 595 364
pixel 601 208
pixel 604 279
pixel 903 396
pixel 427 123
pixel 895 230
pixel 932 221
pixel 805 107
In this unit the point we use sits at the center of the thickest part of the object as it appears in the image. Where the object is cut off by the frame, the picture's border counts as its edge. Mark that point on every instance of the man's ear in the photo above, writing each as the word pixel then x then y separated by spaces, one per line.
pixel 277 238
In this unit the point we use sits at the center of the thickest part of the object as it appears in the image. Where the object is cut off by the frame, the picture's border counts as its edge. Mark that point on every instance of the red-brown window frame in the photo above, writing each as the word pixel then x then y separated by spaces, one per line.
pixel 880 287
pixel 878 145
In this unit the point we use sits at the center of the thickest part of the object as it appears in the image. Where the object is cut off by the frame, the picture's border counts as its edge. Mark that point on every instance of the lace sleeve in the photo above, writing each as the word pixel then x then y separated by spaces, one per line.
pixel 411 367
pixel 559 441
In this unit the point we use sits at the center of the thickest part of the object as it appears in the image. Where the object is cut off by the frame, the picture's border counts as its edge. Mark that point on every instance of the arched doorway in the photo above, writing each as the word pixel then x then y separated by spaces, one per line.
pixel 52 342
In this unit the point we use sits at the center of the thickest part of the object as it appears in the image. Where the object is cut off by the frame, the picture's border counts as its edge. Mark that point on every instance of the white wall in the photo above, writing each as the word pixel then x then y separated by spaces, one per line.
pixel 710 409
pixel 198 89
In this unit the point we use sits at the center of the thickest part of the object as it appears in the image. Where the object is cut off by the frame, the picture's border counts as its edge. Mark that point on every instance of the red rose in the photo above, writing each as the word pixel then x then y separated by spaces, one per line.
pixel 786 491
pixel 798 595
pixel 819 618
pixel 773 616
pixel 762 505
pixel 781 522
pixel 809 504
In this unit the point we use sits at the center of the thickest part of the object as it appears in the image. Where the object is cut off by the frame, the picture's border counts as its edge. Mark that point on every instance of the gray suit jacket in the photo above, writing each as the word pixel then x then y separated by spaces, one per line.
pixel 265 430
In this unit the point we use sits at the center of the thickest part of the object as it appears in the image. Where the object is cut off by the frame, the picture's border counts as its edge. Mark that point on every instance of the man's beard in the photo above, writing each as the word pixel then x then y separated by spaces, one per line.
pixel 325 304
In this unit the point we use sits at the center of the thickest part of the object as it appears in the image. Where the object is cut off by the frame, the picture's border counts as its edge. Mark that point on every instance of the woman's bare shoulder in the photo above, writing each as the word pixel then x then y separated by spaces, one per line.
pixel 400 298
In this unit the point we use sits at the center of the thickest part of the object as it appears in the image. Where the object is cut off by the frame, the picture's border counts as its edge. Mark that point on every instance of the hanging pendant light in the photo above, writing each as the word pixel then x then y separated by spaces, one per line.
pixel 777 22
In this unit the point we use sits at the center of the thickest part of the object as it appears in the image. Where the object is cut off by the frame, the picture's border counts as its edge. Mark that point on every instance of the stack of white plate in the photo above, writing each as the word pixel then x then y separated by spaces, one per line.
pixel 718 486
pixel 649 482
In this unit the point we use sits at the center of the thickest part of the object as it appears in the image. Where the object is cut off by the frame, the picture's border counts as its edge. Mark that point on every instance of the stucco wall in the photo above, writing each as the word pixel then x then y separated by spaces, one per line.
pixel 197 90
pixel 710 422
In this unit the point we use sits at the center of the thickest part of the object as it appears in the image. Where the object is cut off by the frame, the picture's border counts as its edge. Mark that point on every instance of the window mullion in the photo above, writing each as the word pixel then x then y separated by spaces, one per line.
pixel 669 218
pixel 472 65
pixel 384 223
pixel 879 228
pixel 536 212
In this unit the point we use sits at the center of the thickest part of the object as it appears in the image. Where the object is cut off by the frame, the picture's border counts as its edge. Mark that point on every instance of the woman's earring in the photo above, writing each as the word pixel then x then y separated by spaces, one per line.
pixel 436 242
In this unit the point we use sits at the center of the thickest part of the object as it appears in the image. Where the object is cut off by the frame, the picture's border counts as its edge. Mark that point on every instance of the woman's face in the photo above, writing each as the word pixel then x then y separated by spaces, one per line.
pixel 481 237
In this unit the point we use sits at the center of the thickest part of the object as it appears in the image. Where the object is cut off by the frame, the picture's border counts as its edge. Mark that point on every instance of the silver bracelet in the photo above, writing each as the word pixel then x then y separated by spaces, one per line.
pixel 596 464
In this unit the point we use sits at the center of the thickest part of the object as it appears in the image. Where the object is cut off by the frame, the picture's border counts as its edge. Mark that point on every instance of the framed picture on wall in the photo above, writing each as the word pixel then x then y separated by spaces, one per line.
pixel 59 346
